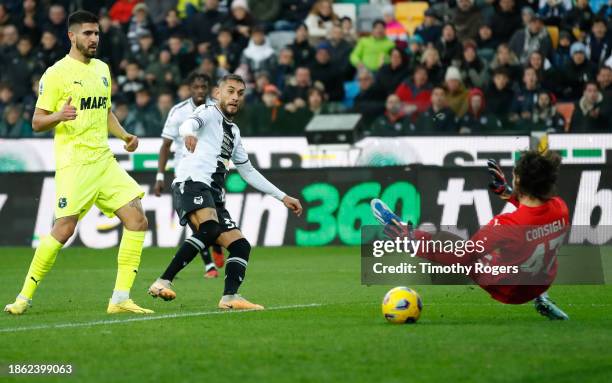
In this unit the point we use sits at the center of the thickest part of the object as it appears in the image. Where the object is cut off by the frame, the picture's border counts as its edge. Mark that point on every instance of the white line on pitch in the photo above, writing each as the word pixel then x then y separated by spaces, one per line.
pixel 147 318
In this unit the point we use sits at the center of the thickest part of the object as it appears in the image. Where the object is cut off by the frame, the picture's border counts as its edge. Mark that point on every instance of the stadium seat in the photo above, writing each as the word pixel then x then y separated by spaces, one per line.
pixel 280 39
pixel 348 10
pixel 566 109
pixel 367 14
pixel 411 14
pixel 553 32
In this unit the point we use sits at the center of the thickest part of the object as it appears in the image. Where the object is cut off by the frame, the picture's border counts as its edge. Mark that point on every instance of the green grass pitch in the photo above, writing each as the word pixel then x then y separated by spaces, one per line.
pixel 336 335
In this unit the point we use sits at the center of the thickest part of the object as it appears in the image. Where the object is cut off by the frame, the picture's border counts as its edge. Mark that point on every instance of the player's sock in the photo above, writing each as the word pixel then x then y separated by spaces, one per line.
pixel 210 266
pixel 43 260
pixel 128 261
pixel 205 254
pixel 235 268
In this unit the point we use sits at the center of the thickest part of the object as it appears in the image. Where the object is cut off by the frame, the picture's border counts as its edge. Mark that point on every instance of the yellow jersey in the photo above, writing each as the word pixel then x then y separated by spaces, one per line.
pixel 85 139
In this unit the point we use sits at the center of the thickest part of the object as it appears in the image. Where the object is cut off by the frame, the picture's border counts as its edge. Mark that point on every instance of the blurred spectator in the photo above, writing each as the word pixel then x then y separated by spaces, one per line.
pixel 29 100
pixel 348 27
pixel 457 95
pixel 466 18
pixel 448 46
pixel 477 120
pixel 604 80
pixel 183 92
pixel 500 95
pixel 182 55
pixel 527 15
pixel 533 38
pixel 20 66
pixel 284 69
pixel 226 50
pixel 431 62
pixel 13 125
pixel 341 51
pixel 394 122
pixel 391 75
pixel 394 30
pixel 241 22
pixel 507 60
pixel 320 19
pixel 303 52
pixel 415 51
pixel 203 26
pixel 415 92
pixel 266 11
pixel 576 73
pixel 553 12
pixel 438 118
pixel 316 105
pixel 122 112
pixel 254 94
pixel 292 13
pixel 10 37
pixel 580 17
pixel 485 42
pixel 158 9
pixel 545 116
pixel 295 94
pixel 526 97
pixel 49 51
pixel 561 56
pixel 370 101
pixel 506 19
pixel 58 26
pixel 431 30
pixel 121 11
pixel 31 20
pixel 163 73
pixel 165 102
pixel 372 51
pixel 473 70
pixel 327 72
pixel 587 114
pixel 147 120
pixel 268 117
pixel 131 82
pixel 258 56
pixel 5 16
pixel 547 75
pixel 147 53
pixel 7 97
pixel 210 66
pixel 113 44
pixel 598 42
pixel 171 25
pixel 140 25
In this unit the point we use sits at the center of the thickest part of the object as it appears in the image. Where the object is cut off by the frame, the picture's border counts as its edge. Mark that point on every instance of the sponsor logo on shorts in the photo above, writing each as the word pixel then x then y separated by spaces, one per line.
pixel 62 202
pixel 198 200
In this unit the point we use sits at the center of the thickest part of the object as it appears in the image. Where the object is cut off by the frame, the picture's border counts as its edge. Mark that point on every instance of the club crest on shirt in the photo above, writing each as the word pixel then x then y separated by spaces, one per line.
pixel 105 81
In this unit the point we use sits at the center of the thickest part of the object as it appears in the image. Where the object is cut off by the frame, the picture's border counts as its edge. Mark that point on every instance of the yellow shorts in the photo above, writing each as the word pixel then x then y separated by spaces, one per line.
pixel 104 183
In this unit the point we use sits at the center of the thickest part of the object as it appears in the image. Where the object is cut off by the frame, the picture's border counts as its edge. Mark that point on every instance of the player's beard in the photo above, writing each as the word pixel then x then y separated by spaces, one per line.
pixel 85 51
pixel 223 107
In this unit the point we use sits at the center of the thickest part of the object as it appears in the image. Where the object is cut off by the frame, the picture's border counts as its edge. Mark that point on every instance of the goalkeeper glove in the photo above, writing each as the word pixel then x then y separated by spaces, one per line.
pixel 498 184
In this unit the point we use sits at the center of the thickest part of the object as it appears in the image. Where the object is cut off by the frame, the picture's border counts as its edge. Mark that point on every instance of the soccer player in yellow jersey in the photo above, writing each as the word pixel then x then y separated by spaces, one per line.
pixel 75 100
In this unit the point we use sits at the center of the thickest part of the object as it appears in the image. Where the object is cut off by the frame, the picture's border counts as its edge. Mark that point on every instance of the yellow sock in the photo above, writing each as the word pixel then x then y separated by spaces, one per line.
pixel 128 259
pixel 43 260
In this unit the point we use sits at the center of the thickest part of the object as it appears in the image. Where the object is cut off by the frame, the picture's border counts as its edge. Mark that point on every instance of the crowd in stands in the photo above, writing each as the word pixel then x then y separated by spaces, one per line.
pixel 469 66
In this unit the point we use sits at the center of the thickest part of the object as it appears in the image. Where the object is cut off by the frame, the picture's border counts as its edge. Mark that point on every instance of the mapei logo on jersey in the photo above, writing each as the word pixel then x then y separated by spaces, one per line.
pixel 105 81
pixel 93 103
pixel 198 200
pixel 62 202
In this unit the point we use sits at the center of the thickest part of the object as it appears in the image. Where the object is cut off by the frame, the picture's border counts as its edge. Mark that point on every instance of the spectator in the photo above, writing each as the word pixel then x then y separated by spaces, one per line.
pixel 122 112
pixel 431 30
pixel 545 115
pixel 416 47
pixel 438 118
pixel 226 51
pixel 500 95
pixel 370 101
pixel 255 94
pixel 394 30
pixel 163 73
pixel 598 42
pixel 204 26
pixel 320 20
pixel 147 53
pixel 10 37
pixel 20 67
pixel 394 122
pixel 258 56
pixel 13 125
pixel 350 34
pixel 284 69
pixel 7 97
pixel 269 117
pixel 57 25
pixel 530 39
pixel 240 22
pixel 526 97
pixel 553 12
pixel 431 62
pixel 561 56
pixel 486 42
pixel 326 72
pixel 473 70
pixel 587 116
pixel 295 94
pixel 5 16
pixel 303 52
pixel 341 51
pixel 507 60
pixel 604 80
pixel 416 93
pixel 171 25
pixel 391 75
pixel 506 20
pixel 292 14
pixel 165 102
pixel 132 81
pixel 466 18
pixel 29 100
pixel 112 46
pixel 372 51
pixel 210 66
pixel 548 77
pixel 266 11
pixel 140 24
pixel 182 55
pixel 31 20
pixel 476 120
pixel 121 11
pixel 183 92
pixel 457 95
pixel 316 105
pixel 158 9
pixel 580 17
pixel 49 51
pixel 147 121
pixel 448 46
pixel 576 73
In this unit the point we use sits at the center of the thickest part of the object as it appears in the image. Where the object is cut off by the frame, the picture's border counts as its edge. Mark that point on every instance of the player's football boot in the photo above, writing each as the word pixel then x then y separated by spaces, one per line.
pixel 163 289
pixel 383 214
pixel 236 302
pixel 127 306
pixel 211 274
pixel 18 307
pixel 546 307
pixel 217 256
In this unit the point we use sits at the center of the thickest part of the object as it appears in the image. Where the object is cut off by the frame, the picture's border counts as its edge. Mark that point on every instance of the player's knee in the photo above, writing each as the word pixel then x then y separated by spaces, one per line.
pixel 208 232
pixel 63 230
pixel 240 248
pixel 138 223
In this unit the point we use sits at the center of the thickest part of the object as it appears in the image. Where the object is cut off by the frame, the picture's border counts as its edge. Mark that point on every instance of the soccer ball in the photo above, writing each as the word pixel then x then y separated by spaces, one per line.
pixel 402 305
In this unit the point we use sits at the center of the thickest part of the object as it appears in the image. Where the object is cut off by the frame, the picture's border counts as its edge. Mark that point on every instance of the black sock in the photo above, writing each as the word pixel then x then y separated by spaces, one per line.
pixel 235 268
pixel 205 254
pixel 185 254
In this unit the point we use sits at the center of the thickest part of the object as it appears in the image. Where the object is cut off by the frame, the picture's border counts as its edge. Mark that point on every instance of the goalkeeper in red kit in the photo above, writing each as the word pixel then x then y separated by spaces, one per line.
pixel 525 240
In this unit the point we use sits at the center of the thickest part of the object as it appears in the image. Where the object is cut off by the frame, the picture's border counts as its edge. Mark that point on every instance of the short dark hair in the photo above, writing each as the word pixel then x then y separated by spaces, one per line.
pixel 195 76
pixel 231 77
pixel 376 22
pixel 82 17
pixel 538 173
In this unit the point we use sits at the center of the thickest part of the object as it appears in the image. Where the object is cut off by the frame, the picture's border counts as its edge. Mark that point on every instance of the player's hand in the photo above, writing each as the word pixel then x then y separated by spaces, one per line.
pixel 157 189
pixel 131 143
pixel 293 204
pixel 190 143
pixel 68 112
pixel 498 184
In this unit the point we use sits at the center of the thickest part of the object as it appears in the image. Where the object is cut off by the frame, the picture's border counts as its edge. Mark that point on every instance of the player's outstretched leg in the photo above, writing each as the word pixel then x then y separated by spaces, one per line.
pixel 235 271
pixel 546 307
